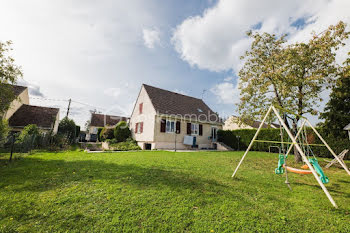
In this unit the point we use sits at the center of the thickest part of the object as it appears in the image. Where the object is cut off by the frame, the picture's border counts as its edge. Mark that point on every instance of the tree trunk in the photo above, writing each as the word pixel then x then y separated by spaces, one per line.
pixel 297 156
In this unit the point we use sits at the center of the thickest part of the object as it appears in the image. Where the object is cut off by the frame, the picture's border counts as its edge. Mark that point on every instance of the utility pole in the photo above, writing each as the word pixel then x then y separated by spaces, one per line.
pixel 69 101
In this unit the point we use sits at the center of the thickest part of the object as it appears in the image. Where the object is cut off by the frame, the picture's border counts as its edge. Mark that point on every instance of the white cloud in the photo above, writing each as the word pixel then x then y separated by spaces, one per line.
pixel 113 92
pixel 151 37
pixel 216 39
pixel 34 89
pixel 228 79
pixel 226 92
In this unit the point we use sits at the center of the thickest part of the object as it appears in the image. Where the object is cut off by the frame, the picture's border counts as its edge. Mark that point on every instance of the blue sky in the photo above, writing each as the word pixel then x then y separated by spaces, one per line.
pixel 100 52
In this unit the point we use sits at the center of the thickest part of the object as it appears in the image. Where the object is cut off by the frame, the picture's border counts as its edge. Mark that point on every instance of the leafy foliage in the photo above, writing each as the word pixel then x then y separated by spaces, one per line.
pixel 99 130
pixel 337 110
pixel 107 133
pixel 29 130
pixel 242 137
pixel 4 130
pixel 122 131
pixel 68 128
pixel 9 73
pixel 126 145
pixel 290 76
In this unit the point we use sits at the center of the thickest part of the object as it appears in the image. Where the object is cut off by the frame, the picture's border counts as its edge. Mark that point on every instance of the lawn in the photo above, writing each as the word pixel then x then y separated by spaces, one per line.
pixel 165 191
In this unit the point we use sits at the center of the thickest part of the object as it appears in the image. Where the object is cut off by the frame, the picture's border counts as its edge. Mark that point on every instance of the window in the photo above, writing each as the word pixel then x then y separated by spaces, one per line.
pixel 140 108
pixel 194 129
pixel 170 126
pixel 139 127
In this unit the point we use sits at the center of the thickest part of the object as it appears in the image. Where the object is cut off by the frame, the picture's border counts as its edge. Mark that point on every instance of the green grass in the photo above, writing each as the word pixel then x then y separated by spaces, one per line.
pixel 165 191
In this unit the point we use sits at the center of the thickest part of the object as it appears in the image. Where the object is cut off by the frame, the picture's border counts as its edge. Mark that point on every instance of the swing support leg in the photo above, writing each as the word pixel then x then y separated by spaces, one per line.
pixel 252 141
pixel 296 136
pixel 304 158
pixel 328 147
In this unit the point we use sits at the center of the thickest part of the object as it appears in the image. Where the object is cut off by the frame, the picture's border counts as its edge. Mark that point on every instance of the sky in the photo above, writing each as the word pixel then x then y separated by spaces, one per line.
pixel 98 53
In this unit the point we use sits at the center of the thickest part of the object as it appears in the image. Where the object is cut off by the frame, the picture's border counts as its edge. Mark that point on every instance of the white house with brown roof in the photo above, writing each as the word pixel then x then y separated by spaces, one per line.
pixel 21 114
pixel 163 119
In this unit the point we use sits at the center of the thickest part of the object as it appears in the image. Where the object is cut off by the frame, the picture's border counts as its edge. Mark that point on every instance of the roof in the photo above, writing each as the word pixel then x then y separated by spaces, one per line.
pixel 100 120
pixel 171 103
pixel 347 127
pixel 43 117
pixel 18 89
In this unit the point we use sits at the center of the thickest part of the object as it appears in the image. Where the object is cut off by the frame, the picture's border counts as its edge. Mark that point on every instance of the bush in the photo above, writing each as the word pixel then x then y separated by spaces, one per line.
pixel 67 128
pixel 229 137
pixel 107 133
pixel 122 131
pixel 129 144
pixel 4 130
pixel 99 134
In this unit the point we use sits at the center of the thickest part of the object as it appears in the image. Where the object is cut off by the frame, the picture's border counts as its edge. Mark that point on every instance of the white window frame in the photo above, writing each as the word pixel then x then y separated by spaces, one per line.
pixel 172 127
pixel 194 129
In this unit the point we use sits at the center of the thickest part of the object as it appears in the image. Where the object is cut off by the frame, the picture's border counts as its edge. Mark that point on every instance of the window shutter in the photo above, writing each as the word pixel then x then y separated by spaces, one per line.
pixel 141 127
pixel 136 126
pixel 162 126
pixel 200 130
pixel 178 127
pixel 189 128
pixel 140 108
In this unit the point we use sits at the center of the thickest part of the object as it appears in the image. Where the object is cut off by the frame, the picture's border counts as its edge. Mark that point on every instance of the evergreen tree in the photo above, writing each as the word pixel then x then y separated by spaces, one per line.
pixel 337 110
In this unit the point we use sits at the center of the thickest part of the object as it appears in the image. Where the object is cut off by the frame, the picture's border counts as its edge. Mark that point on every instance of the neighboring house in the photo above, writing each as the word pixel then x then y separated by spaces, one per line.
pixel 45 118
pixel 21 114
pixel 234 122
pixel 100 121
pixel 161 117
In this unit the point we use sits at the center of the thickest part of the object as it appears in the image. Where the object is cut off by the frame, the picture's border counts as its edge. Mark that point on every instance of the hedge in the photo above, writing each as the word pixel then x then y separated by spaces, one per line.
pixel 242 137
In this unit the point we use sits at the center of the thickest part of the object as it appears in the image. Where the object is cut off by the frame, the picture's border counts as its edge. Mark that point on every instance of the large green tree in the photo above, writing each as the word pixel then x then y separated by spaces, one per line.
pixel 290 76
pixel 9 73
pixel 337 110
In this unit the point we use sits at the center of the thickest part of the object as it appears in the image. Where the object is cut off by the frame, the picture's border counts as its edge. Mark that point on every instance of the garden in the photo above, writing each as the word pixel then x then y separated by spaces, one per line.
pixel 165 191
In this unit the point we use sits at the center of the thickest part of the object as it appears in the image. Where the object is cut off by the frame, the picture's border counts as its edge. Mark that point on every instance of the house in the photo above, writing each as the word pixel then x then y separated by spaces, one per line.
pixel 163 119
pixel 21 113
pixel 234 123
pixel 100 121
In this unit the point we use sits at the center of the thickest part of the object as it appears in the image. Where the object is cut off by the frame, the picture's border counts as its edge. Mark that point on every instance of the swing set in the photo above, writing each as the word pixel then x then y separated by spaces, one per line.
pixel 301 144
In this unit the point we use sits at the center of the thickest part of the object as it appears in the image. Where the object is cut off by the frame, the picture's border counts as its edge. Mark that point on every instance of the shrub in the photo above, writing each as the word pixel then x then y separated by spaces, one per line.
pixel 107 133
pixel 29 131
pixel 4 130
pixel 129 144
pixel 99 133
pixel 122 131
pixel 229 137
pixel 67 128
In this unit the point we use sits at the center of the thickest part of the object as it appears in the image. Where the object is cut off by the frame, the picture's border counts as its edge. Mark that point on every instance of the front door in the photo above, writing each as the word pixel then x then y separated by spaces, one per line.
pixel 214 134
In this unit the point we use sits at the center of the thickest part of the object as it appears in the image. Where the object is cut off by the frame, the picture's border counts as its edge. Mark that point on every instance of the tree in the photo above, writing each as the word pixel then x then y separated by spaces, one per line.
pixel 9 73
pixel 122 131
pixel 292 76
pixel 68 128
pixel 107 133
pixel 4 130
pixel 337 110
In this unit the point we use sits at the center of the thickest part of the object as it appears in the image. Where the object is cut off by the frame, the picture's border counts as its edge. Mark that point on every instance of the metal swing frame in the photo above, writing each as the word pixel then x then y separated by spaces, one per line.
pixel 296 145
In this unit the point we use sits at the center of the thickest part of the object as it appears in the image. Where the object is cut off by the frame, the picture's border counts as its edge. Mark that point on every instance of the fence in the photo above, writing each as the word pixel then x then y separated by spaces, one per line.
pixel 16 145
